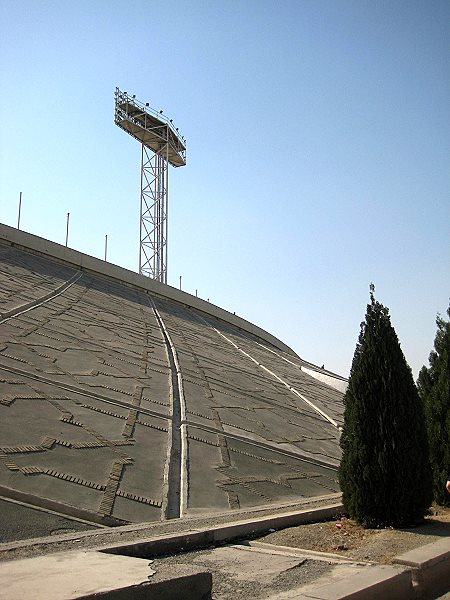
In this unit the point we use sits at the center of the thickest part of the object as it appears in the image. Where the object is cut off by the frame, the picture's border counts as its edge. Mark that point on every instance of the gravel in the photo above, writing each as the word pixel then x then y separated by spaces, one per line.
pixel 227 586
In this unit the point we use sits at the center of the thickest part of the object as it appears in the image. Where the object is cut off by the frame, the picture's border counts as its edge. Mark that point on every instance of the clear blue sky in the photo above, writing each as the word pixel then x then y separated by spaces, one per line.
pixel 318 147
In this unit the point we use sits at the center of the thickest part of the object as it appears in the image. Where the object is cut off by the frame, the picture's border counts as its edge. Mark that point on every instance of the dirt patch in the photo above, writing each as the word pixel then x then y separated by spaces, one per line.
pixel 347 538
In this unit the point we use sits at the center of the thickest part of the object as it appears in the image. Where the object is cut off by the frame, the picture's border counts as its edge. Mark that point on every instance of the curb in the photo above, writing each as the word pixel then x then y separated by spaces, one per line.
pixel 421 573
pixel 207 536
pixel 106 536
pixel 374 583
pixel 430 568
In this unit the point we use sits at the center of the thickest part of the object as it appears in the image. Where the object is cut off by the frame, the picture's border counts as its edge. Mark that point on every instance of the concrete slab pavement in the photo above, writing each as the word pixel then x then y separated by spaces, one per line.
pixel 73 575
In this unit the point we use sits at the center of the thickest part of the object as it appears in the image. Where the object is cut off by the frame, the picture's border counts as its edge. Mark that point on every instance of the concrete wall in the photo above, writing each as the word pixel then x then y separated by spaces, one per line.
pixel 22 239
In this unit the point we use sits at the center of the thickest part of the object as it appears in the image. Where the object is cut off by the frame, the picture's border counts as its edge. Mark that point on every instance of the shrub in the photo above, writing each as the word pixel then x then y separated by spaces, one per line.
pixel 384 474
pixel 434 389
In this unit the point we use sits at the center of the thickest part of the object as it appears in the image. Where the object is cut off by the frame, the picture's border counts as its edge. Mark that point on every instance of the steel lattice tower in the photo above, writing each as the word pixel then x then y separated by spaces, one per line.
pixel 161 145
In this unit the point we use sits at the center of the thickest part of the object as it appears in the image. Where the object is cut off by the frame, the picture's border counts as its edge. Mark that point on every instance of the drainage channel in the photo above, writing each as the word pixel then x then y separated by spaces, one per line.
pixel 274 375
pixel 24 308
pixel 174 473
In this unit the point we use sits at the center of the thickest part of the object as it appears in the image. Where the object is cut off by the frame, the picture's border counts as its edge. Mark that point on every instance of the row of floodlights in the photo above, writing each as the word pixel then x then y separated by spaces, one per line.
pixel 160 112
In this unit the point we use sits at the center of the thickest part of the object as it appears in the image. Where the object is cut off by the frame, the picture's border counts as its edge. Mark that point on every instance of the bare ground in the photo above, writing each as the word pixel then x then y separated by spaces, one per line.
pixel 347 538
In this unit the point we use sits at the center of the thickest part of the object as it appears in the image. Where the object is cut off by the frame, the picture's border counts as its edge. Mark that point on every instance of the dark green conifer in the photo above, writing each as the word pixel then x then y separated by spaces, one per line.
pixel 384 473
pixel 434 389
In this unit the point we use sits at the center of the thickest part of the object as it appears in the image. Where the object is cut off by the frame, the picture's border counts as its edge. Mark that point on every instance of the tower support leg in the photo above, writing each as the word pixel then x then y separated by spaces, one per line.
pixel 153 224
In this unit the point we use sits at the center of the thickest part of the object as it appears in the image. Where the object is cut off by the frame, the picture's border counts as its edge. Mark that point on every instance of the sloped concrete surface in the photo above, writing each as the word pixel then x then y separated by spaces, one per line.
pixel 118 405
pixel 21 521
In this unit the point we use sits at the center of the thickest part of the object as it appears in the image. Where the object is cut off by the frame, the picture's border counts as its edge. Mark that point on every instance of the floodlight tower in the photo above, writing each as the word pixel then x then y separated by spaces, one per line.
pixel 161 145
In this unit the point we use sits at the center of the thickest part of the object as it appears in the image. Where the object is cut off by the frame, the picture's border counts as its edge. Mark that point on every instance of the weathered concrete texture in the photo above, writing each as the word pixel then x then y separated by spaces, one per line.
pixel 121 406
pixel 371 583
pixel 201 537
pixel 240 573
pixel 247 569
pixel 430 566
pixel 206 529
pixel 20 521
pixel 90 264
pixel 86 575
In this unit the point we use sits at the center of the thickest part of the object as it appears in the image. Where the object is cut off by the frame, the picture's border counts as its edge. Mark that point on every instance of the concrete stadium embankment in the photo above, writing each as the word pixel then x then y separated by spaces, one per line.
pixel 90 264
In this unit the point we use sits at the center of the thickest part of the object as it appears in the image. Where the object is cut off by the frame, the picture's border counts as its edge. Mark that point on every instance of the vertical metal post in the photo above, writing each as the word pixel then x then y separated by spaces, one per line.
pixel 141 213
pixel 180 282
pixel 106 245
pixel 160 187
pixel 67 229
pixel 20 207
pixel 153 226
pixel 166 209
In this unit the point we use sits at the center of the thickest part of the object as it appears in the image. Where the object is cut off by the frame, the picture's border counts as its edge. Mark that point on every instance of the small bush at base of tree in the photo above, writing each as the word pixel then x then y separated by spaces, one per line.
pixel 384 473
pixel 434 389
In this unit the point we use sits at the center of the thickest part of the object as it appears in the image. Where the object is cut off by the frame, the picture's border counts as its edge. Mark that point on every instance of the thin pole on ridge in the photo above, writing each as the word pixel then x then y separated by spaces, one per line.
pixel 67 229
pixel 20 207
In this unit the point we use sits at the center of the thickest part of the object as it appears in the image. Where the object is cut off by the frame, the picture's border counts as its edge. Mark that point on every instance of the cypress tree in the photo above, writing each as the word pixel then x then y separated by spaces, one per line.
pixel 434 389
pixel 384 474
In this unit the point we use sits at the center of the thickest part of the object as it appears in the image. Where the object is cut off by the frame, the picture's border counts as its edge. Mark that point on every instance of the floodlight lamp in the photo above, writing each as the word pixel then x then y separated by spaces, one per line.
pixel 160 112
pixel 147 104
